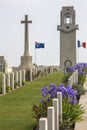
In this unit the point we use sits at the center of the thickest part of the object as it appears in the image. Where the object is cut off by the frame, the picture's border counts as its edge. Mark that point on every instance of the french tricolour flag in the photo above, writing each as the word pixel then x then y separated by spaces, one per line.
pixel 83 44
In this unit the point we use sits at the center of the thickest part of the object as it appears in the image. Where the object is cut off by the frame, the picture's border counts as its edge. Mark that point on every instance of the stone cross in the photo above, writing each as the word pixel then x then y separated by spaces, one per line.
pixel 26 48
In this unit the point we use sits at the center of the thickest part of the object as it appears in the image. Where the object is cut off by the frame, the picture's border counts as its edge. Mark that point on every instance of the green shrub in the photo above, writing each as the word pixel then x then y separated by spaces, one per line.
pixel 40 111
pixel 71 114
pixel 23 83
pixel 81 78
pixel 65 78
pixel 80 90
pixel 15 84
pixel 85 69
pixel 7 89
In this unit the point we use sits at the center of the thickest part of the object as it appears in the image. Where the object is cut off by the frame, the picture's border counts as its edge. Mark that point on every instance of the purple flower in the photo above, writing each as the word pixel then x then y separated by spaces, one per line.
pixel 69 87
pixel 73 101
pixel 44 91
pixel 52 95
pixel 80 67
pixel 50 92
pixel 48 99
pixel 82 72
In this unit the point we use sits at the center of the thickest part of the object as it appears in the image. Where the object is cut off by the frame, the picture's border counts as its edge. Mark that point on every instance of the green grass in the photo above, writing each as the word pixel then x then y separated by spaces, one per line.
pixel 16 107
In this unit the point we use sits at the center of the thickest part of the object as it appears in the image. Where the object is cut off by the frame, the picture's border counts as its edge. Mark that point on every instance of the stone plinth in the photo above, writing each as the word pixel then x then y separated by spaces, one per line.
pixel 26 62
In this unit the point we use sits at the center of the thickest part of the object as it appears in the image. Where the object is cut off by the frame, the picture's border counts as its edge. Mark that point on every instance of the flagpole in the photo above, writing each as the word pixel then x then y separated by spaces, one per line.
pixel 35 56
pixel 35 62
pixel 78 46
pixel 35 53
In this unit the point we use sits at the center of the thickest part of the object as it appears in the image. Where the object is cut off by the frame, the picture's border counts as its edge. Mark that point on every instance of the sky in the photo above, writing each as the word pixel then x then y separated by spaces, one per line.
pixel 45 16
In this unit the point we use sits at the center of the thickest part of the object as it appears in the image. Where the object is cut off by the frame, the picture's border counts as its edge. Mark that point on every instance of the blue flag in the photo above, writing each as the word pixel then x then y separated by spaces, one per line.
pixel 39 45
pixel 79 45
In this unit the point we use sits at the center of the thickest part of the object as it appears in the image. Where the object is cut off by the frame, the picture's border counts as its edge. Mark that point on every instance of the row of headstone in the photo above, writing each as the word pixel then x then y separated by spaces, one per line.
pixel 73 79
pixel 39 71
pixel 18 77
pixel 13 80
pixel 54 115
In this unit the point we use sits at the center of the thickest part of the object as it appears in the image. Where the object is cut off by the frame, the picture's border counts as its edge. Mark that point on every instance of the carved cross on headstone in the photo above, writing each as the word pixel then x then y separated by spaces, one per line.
pixel 26 45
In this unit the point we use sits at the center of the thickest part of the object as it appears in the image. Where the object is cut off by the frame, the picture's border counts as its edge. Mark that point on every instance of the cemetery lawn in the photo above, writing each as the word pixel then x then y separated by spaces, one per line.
pixel 16 107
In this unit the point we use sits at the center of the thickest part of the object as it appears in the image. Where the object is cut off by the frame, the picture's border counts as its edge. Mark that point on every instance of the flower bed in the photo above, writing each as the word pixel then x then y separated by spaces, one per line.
pixel 72 111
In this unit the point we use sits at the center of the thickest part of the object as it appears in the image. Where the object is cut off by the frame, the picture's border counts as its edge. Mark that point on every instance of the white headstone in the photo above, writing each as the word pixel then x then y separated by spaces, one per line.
pixel 23 75
pixel 51 69
pixel 76 74
pixel 36 71
pixel 43 124
pixel 8 79
pixel 16 76
pixel 16 79
pixel 46 70
pixel 12 80
pixel 70 81
pixel 30 74
pixel 50 116
pixel 59 96
pixel 56 112
pixel 43 69
pixel 20 78
pixel 74 78
pixel 3 83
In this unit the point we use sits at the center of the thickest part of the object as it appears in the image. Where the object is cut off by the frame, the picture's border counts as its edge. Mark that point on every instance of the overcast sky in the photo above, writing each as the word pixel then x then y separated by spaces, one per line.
pixel 45 16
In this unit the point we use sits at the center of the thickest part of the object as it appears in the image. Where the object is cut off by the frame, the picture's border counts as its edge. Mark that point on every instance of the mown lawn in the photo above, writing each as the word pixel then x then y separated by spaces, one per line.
pixel 16 107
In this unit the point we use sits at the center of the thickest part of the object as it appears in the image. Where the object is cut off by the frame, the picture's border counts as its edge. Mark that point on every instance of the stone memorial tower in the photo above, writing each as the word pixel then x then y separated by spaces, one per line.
pixel 26 59
pixel 67 30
